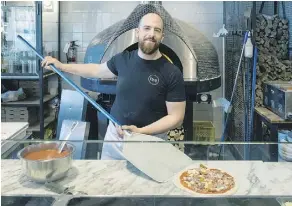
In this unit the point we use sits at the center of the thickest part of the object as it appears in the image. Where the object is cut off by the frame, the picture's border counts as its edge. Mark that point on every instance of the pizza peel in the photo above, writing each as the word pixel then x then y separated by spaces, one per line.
pixel 153 156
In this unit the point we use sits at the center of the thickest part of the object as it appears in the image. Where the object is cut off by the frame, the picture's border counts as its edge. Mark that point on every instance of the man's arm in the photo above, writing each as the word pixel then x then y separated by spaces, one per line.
pixel 84 70
pixel 174 119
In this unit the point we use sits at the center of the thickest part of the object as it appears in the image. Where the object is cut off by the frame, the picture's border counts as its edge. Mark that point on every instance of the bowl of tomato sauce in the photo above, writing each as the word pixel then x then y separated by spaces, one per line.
pixel 43 163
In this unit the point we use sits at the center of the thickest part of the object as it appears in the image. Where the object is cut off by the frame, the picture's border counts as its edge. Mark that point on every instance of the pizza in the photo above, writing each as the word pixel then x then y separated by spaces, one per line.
pixel 206 181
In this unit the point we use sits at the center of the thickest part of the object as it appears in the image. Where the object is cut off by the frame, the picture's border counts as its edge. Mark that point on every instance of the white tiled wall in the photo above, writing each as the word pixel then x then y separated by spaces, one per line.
pixel 83 20
pixel 50 37
pixel 50 28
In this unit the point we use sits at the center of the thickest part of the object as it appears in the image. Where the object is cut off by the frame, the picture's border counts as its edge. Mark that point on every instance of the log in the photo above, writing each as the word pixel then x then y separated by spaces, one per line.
pixel 275 26
pixel 285 21
pixel 273 35
pixel 267 31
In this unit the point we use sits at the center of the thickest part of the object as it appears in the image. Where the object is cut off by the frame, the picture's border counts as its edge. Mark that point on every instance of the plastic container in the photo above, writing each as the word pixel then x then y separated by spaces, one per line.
pixel 248 49
pixel 204 131
pixel 24 66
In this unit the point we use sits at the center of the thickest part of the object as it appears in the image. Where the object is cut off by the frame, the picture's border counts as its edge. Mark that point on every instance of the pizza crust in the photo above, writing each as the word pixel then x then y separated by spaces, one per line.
pixel 177 183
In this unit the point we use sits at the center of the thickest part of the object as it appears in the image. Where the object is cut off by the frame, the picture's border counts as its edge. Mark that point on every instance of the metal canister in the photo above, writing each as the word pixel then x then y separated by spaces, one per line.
pixel 46 170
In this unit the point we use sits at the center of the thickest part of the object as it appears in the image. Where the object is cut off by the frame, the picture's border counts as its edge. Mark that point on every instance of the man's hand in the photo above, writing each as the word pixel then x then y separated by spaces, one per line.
pixel 50 60
pixel 131 128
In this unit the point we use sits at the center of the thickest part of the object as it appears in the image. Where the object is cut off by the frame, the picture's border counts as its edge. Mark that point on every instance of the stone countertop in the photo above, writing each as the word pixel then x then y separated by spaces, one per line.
pixel 120 178
pixel 11 132
pixel 11 129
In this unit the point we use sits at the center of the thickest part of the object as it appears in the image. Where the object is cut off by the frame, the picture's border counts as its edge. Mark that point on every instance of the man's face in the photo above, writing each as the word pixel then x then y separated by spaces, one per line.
pixel 150 33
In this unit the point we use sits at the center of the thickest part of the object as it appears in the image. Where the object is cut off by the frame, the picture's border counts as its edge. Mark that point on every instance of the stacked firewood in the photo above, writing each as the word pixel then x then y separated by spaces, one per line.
pixel 272 39
pixel 272 36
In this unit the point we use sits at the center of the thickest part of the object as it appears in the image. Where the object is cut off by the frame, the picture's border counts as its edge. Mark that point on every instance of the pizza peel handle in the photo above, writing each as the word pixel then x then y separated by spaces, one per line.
pixel 86 96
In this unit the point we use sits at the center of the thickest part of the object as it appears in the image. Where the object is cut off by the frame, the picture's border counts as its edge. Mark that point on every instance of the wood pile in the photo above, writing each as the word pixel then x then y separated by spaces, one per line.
pixel 272 39
pixel 272 36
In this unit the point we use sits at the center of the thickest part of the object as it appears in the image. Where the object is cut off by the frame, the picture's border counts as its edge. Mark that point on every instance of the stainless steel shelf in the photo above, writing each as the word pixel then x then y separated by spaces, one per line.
pixel 29 102
pixel 36 127
pixel 24 77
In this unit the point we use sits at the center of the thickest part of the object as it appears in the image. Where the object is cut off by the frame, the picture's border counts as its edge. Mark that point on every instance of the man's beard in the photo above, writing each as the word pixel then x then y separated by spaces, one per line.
pixel 148 49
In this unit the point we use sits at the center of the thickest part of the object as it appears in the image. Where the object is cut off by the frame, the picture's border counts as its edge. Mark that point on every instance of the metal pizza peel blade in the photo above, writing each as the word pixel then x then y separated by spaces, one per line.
pixel 155 157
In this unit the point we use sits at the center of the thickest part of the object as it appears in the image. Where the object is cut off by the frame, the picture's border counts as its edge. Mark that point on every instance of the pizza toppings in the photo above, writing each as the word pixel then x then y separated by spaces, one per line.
pixel 207 181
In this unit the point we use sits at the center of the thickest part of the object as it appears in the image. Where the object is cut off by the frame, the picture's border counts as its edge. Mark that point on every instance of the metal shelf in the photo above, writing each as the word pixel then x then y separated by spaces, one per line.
pixel 3 7
pixel 35 8
pixel 30 102
pixel 24 76
pixel 36 127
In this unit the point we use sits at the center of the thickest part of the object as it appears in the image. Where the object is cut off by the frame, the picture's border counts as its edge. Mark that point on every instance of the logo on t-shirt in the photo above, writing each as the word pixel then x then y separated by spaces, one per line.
pixel 153 79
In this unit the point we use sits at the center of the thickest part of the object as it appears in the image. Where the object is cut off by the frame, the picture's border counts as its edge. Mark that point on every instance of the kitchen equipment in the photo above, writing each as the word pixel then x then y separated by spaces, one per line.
pixel 154 157
pixel 86 96
pixel 46 170
pixel 71 54
pixel 74 125
pixel 278 98
pixel 69 112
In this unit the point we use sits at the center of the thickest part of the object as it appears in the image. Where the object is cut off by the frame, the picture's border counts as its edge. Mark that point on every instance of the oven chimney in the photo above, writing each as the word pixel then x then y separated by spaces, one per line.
pixel 152 2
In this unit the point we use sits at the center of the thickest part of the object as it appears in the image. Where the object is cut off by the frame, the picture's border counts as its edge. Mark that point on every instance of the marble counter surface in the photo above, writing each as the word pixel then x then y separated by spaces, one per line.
pixel 120 178
pixel 11 129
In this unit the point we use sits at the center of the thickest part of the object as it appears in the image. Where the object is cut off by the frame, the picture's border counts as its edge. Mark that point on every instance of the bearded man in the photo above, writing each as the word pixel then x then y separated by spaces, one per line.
pixel 150 94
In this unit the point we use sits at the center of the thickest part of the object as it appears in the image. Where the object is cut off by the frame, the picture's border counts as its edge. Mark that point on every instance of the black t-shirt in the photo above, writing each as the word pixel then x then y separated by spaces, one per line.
pixel 143 86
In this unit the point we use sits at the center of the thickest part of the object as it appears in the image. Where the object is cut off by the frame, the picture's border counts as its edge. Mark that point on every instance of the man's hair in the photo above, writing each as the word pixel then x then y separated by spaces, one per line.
pixel 152 13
